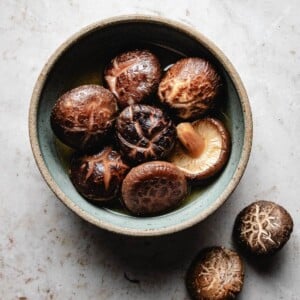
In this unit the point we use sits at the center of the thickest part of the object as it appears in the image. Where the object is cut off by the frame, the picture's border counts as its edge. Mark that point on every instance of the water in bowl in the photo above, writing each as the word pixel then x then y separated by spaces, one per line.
pixel 92 73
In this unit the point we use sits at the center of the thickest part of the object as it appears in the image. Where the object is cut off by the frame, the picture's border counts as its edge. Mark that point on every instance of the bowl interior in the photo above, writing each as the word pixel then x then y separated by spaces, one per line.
pixel 82 61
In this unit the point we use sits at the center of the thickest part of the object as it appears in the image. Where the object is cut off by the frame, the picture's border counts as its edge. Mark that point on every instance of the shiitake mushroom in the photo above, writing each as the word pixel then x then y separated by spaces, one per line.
pixel 144 133
pixel 190 87
pixel 153 187
pixel 132 76
pixel 202 149
pixel 82 117
pixel 98 177
pixel 216 273
pixel 263 227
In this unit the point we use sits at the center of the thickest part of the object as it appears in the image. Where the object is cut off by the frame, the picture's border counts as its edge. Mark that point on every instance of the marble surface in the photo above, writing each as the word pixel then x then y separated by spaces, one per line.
pixel 46 252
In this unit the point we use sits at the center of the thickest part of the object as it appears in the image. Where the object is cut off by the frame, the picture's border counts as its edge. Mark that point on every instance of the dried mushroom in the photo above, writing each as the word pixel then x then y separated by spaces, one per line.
pixel 190 87
pixel 153 187
pixel 132 76
pixel 216 273
pixel 263 227
pixel 82 117
pixel 98 177
pixel 144 133
pixel 203 149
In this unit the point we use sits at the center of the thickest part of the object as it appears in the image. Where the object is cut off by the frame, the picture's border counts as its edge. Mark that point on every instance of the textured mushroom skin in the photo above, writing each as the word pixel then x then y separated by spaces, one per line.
pixel 263 227
pixel 132 76
pixel 208 173
pixel 98 177
pixel 153 187
pixel 144 133
pixel 216 274
pixel 82 117
pixel 190 87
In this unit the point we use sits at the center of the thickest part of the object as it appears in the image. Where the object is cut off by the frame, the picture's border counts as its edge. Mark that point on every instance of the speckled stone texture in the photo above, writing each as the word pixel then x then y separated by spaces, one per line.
pixel 46 252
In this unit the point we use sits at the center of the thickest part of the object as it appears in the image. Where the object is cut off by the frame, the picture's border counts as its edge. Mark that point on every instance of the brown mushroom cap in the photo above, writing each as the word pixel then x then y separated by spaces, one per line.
pixel 153 187
pixel 98 177
pixel 263 227
pixel 216 273
pixel 212 158
pixel 132 76
pixel 82 117
pixel 144 133
pixel 190 87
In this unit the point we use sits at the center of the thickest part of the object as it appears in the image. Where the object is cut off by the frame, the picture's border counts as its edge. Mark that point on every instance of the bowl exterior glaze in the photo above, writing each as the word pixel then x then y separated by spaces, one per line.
pixel 81 59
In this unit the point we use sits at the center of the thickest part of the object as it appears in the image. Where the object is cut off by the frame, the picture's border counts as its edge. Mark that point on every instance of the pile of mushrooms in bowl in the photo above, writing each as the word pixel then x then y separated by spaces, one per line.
pixel 150 136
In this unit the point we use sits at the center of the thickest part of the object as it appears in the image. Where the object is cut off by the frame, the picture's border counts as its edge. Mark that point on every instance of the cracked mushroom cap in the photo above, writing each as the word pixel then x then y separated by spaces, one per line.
pixel 82 117
pixel 144 133
pixel 202 150
pixel 190 87
pixel 216 273
pixel 132 76
pixel 263 227
pixel 153 187
pixel 98 177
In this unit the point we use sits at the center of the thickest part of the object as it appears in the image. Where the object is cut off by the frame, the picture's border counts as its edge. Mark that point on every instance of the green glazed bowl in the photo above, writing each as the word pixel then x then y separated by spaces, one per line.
pixel 81 60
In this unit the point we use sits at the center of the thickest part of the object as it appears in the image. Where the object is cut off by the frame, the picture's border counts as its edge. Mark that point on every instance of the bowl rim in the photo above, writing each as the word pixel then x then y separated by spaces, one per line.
pixel 200 38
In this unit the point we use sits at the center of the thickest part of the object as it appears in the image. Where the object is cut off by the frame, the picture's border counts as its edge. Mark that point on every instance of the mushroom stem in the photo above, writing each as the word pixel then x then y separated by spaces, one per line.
pixel 192 141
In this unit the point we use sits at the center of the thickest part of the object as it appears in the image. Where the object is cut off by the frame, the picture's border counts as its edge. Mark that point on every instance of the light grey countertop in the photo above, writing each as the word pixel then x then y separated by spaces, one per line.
pixel 46 252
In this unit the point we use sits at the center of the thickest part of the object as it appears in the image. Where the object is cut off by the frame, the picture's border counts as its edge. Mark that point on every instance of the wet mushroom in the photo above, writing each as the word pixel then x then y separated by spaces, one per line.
pixel 144 133
pixel 263 227
pixel 98 177
pixel 132 76
pixel 190 87
pixel 203 149
pixel 153 187
pixel 216 273
pixel 82 117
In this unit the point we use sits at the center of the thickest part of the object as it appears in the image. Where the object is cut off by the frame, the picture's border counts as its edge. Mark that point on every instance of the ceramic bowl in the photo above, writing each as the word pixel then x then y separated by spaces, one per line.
pixel 81 60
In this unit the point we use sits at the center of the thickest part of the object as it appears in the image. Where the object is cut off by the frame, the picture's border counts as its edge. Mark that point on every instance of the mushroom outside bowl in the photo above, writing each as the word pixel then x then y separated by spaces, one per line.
pixel 82 60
